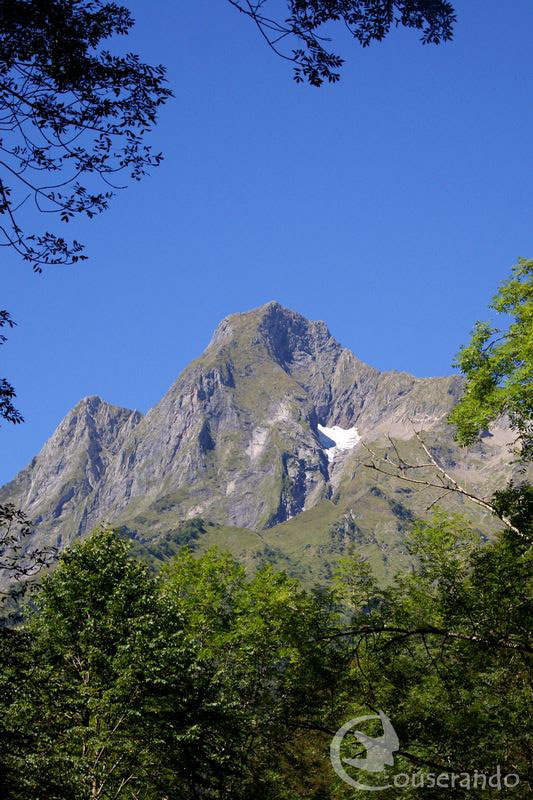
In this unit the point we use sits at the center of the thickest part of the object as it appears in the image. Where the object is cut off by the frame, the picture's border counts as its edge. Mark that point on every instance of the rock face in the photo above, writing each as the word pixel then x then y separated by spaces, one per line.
pixel 236 439
pixel 73 465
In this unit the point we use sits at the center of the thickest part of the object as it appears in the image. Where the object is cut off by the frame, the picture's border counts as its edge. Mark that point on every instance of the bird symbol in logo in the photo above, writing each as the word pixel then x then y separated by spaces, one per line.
pixel 379 749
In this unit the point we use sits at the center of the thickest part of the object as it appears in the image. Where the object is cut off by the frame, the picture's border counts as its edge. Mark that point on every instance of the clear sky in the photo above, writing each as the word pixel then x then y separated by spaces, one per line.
pixel 389 205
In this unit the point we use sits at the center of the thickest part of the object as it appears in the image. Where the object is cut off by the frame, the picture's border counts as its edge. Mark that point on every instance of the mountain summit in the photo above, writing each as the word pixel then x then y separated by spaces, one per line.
pixel 265 427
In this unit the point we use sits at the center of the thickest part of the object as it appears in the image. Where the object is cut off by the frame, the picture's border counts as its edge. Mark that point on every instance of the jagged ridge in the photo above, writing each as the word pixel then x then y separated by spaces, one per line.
pixel 235 439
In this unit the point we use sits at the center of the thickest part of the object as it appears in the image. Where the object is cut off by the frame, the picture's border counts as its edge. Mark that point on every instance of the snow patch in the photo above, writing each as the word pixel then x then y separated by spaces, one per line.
pixel 335 439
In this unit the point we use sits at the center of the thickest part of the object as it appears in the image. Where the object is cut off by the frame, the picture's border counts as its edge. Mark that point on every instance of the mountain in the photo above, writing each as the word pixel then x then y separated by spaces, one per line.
pixel 257 447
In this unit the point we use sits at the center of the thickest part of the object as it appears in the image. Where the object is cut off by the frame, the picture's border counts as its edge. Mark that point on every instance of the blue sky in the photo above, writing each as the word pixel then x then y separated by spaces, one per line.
pixel 390 206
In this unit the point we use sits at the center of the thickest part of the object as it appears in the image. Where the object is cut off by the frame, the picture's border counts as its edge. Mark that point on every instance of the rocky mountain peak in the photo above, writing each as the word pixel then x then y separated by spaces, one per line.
pixel 96 419
pixel 264 426
pixel 291 338
pixel 288 337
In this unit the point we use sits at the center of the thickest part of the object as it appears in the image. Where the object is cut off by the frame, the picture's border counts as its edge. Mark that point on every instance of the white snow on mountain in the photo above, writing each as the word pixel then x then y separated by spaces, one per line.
pixel 335 439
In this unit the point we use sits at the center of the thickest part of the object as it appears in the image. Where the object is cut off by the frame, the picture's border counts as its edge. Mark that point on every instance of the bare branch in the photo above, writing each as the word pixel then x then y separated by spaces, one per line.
pixel 442 480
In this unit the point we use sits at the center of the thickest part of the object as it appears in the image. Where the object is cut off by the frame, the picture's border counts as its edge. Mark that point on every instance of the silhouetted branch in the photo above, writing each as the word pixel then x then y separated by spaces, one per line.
pixel 366 20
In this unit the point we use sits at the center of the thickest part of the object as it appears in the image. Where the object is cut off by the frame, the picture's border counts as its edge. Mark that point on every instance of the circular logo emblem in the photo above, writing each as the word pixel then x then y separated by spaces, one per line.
pixel 379 750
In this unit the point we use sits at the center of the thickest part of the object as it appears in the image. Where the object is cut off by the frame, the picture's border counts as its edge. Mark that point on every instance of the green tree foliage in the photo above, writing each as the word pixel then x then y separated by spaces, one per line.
pixel 205 683
pixel 264 639
pixel 498 366
pixel 195 684
pixel 110 701
pixel 446 651
pixel 302 21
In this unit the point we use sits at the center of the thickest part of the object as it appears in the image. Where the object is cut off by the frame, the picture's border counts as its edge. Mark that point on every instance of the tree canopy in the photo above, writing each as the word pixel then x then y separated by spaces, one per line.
pixel 205 682
pixel 498 366
pixel 446 649
pixel 125 686
pixel 20 560
pixel 110 700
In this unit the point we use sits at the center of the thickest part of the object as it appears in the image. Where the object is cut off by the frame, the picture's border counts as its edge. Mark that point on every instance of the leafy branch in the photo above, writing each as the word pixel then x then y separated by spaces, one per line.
pixel 72 116
pixel 19 563
pixel 366 21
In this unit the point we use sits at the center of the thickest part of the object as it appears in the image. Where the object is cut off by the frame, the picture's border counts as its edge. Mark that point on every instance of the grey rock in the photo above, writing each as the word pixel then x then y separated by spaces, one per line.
pixel 235 439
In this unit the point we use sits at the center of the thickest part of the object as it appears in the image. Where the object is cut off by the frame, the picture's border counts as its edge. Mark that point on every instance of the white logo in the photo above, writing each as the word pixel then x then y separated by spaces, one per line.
pixel 379 750
pixel 379 753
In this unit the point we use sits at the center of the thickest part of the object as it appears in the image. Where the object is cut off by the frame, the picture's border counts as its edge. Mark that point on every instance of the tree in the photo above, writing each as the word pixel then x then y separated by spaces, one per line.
pixel 498 366
pixel 198 683
pixel 512 504
pixel 109 700
pixel 447 652
pixel 263 637
pixel 72 116
pixel 366 21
